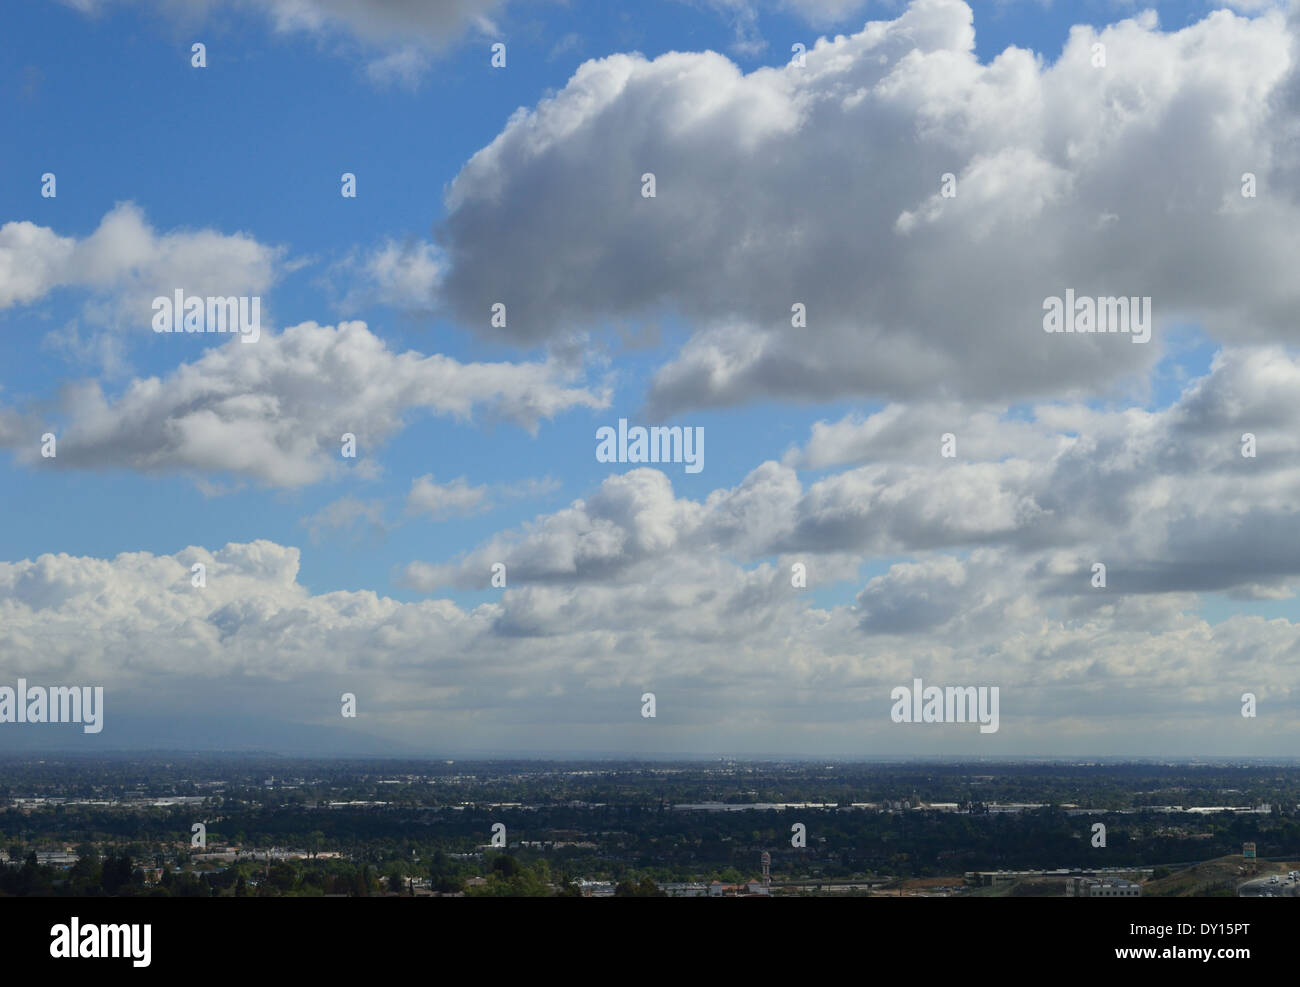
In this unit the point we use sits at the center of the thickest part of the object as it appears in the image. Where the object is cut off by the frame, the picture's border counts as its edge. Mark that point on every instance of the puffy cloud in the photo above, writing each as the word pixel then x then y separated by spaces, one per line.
pixel 441 501
pixel 631 517
pixel 276 410
pixel 819 12
pixel 458 498
pixel 914 596
pixel 912 432
pixel 399 36
pixel 403 275
pixel 384 22
pixel 1166 499
pixel 908 293
pixel 33 260
pixel 344 514
pixel 124 264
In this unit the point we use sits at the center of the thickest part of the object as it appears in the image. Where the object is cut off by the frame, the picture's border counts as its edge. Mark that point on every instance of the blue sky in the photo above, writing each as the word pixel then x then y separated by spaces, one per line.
pixel 249 151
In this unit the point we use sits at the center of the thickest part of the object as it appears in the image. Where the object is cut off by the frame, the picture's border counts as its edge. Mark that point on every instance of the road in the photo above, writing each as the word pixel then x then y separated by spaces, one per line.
pixel 1261 887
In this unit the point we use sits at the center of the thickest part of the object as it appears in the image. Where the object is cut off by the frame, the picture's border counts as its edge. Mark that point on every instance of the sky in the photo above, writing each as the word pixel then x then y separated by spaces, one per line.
pixel 860 212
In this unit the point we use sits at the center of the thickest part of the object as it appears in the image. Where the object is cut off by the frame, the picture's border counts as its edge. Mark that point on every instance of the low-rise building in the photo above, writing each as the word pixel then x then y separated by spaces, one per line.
pixel 686 890
pixel 1087 887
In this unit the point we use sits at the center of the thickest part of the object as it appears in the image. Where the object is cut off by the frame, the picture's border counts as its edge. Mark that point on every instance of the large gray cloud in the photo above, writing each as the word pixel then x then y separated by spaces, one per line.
pixel 821 185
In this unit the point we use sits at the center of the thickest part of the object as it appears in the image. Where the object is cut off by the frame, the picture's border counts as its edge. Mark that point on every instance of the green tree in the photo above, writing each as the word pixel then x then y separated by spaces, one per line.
pixel 514 880
pixel 645 888
pixel 506 866
pixel 282 876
